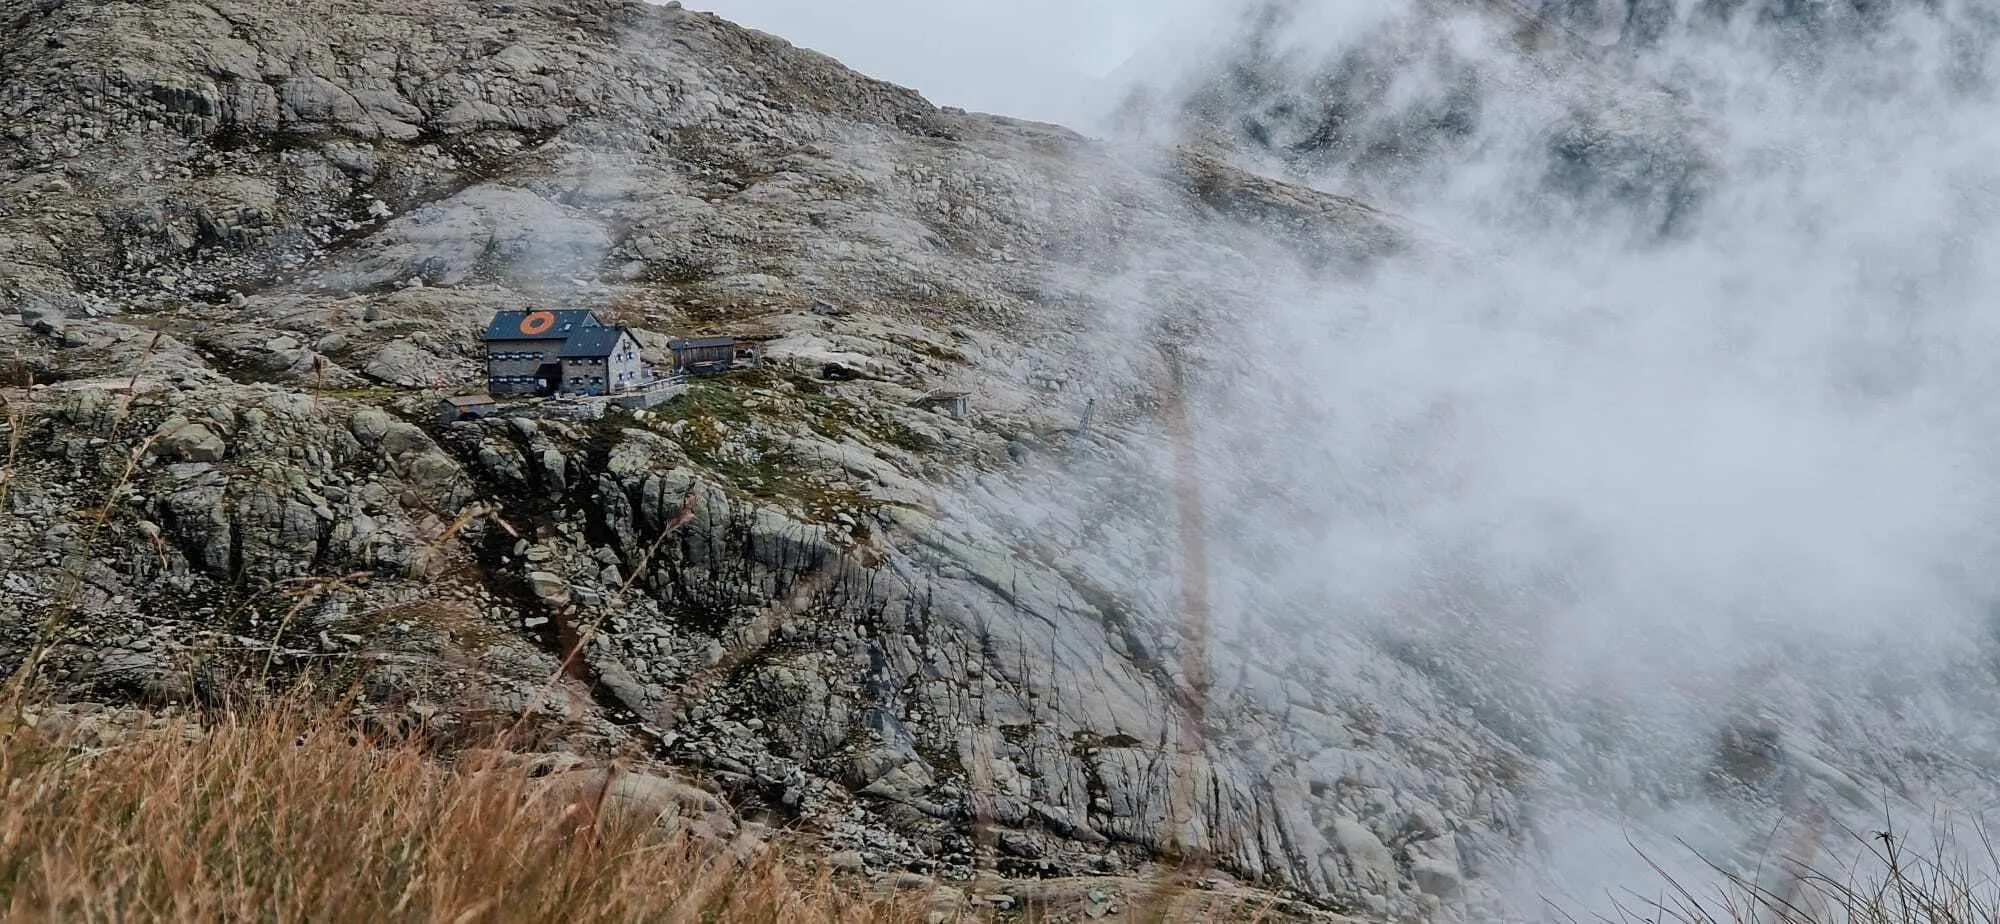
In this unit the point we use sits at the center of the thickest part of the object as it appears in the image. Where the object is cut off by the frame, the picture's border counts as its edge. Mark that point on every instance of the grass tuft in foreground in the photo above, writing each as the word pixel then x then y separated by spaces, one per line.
pixel 285 816
pixel 1887 881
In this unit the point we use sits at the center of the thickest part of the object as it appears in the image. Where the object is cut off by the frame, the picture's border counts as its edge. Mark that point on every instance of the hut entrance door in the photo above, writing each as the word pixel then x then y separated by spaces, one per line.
pixel 548 379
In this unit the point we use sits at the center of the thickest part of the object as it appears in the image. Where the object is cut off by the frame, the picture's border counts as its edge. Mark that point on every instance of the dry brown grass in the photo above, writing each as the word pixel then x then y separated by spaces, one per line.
pixel 286 817
pixel 1888 880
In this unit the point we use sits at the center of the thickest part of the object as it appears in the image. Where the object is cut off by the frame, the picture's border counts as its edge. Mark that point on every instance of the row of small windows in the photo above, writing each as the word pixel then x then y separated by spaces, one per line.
pixel 532 357
pixel 529 379
pixel 626 356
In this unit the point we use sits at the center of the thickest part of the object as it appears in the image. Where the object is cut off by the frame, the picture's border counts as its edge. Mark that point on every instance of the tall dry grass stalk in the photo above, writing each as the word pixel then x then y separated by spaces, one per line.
pixel 73 577
pixel 1889 881
pixel 16 420
pixel 124 408
pixel 285 816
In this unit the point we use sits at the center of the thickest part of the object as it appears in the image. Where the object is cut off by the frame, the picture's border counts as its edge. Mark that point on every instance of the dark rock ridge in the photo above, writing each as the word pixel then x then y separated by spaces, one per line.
pixel 1391 104
pixel 1388 104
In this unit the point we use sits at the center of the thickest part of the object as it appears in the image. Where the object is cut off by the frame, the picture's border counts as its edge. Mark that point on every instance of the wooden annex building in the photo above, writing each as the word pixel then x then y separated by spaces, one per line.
pixel 710 355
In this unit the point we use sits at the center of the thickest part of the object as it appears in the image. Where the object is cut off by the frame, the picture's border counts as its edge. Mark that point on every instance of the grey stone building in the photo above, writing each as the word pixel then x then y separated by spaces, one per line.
pixel 569 352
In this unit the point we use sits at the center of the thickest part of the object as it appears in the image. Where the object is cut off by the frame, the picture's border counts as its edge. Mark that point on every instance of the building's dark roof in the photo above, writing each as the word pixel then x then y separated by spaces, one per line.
pixel 591 343
pixel 696 343
pixel 508 325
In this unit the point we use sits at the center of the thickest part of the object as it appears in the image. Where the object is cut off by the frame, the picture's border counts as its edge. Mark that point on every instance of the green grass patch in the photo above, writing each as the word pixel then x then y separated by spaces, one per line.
pixel 724 426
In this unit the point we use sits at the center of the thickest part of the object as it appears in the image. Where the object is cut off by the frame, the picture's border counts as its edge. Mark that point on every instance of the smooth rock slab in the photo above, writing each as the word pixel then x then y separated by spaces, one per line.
pixel 192 443
pixel 549 588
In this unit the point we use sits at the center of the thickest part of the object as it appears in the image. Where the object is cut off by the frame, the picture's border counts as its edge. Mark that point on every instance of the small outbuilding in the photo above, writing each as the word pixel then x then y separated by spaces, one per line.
pixel 466 407
pixel 711 355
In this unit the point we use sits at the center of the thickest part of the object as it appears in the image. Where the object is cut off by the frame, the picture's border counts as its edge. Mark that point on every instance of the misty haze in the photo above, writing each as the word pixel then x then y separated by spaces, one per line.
pixel 1332 460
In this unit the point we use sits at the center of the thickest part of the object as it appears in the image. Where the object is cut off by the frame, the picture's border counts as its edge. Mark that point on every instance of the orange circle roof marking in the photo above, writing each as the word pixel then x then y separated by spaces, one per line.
pixel 538 322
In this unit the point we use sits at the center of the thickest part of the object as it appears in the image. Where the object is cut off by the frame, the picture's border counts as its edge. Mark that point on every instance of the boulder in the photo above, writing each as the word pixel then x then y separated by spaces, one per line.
pixel 191 442
pixel 549 588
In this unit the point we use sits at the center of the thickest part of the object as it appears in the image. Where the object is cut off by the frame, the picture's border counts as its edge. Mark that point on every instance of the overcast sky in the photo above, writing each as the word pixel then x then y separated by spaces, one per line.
pixel 1031 58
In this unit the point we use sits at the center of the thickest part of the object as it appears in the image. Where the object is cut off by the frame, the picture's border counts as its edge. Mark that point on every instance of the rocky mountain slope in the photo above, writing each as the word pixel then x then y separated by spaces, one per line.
pixel 249 247
pixel 246 246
